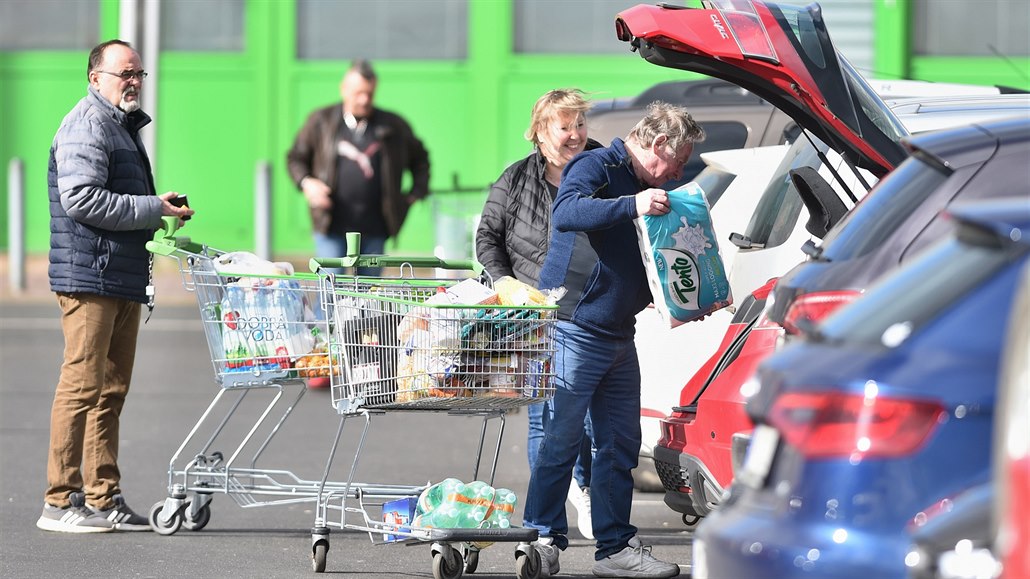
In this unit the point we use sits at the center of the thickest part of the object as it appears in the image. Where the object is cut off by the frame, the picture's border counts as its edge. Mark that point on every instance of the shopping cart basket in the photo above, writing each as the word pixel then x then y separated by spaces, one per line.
pixel 394 345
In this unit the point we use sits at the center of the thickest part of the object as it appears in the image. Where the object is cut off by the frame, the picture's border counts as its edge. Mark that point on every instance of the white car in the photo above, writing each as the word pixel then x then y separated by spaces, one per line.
pixel 763 198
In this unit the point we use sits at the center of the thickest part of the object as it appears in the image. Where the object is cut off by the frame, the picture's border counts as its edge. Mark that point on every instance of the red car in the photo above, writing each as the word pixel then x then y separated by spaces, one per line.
pixel 703 440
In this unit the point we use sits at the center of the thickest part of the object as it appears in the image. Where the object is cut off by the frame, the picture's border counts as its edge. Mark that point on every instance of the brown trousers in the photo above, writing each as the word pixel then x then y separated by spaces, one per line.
pixel 99 351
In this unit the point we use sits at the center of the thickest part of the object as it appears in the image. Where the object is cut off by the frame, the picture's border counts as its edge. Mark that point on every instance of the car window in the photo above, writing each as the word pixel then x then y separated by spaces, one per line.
pixel 872 105
pixel 883 211
pixel 1003 175
pixel 714 183
pixel 780 205
pixel 907 301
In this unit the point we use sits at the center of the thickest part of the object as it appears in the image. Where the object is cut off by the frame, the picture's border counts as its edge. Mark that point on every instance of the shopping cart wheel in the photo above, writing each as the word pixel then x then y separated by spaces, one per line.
pixel 447 563
pixel 527 564
pixel 318 553
pixel 471 559
pixel 164 527
pixel 200 521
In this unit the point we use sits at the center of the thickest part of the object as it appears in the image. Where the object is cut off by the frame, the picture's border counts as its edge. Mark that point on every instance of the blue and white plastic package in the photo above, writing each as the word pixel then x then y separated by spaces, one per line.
pixel 681 256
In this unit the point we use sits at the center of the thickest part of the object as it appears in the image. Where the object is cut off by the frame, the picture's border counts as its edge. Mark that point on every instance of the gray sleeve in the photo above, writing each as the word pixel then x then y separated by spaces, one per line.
pixel 82 172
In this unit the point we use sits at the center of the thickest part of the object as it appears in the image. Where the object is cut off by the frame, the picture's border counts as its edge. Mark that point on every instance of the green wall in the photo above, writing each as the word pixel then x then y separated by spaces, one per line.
pixel 221 114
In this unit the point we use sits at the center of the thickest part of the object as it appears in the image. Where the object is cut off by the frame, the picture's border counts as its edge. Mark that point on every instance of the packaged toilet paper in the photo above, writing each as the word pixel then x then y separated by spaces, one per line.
pixel 681 255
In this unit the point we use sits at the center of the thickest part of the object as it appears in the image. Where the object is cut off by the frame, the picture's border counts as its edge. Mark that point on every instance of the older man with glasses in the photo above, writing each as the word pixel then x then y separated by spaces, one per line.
pixel 596 367
pixel 103 209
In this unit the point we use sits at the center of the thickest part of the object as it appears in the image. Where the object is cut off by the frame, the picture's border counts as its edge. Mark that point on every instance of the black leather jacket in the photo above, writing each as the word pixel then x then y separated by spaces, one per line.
pixel 314 153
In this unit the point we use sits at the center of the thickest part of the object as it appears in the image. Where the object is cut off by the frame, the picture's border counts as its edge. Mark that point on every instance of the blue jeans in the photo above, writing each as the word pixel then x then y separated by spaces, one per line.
pixel 602 376
pixel 539 415
pixel 336 246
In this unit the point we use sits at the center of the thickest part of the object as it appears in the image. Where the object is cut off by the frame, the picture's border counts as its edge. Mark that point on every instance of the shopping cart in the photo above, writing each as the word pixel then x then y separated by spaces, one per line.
pixel 267 331
pixel 265 336
pixel 394 346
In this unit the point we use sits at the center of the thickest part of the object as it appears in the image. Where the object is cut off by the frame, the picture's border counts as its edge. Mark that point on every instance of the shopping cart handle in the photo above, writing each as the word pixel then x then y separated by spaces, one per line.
pixel 165 241
pixel 317 263
pixel 355 259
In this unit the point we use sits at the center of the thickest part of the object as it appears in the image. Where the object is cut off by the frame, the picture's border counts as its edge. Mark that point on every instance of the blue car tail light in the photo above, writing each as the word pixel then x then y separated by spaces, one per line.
pixel 853 425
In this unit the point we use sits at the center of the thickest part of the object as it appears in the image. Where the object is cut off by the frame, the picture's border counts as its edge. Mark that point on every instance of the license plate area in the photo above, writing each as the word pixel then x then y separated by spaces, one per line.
pixel 760 453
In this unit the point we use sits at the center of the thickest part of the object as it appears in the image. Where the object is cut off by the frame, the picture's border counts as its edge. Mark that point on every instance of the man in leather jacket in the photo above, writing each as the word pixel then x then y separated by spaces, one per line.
pixel 349 159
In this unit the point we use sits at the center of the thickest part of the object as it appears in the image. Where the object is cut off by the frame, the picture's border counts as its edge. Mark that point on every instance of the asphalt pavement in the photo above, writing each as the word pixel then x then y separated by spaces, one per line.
pixel 173 384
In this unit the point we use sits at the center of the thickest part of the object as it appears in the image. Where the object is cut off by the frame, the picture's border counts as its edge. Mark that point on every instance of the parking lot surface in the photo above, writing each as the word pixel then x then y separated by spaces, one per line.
pixel 172 385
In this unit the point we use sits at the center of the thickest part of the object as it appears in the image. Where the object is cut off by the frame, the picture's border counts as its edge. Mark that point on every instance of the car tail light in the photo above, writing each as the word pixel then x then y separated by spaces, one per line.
pixel 672 44
pixel 622 31
pixel 839 424
pixel 812 308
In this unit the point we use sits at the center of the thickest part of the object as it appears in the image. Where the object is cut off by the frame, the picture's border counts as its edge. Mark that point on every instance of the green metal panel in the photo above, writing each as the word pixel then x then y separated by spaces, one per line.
pixel 1014 72
pixel 471 114
pixel 39 88
pixel 891 39
pixel 220 114
pixel 894 58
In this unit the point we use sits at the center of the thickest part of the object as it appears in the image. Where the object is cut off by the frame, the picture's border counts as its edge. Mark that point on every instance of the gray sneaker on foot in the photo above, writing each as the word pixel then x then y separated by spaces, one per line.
pixel 635 561
pixel 75 518
pixel 549 565
pixel 122 517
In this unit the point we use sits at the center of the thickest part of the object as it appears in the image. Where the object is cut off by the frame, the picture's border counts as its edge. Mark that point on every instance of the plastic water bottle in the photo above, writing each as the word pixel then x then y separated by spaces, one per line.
pixel 446 516
pixel 435 495
pixel 502 509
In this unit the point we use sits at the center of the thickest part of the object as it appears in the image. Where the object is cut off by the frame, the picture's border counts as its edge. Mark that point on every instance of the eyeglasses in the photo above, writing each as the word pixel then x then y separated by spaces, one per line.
pixel 140 75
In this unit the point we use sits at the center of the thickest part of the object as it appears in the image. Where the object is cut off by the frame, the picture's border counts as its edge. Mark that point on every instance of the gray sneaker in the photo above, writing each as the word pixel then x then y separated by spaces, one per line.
pixel 549 565
pixel 635 561
pixel 75 518
pixel 122 517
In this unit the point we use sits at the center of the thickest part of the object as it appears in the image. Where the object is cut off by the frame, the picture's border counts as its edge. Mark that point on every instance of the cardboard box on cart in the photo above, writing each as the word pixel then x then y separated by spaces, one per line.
pixel 399 512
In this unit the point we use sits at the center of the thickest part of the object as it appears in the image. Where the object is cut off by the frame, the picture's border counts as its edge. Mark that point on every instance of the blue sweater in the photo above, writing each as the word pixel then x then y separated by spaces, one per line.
pixel 597 196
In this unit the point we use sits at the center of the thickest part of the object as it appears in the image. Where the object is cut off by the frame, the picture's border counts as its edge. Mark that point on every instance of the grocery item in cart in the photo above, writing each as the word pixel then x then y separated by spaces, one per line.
pixel 248 264
pixel 399 514
pixel 266 323
pixel 453 504
pixel 453 349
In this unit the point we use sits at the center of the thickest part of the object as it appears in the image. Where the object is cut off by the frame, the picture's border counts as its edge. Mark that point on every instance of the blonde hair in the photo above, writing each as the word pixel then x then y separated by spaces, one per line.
pixel 552 104
pixel 670 120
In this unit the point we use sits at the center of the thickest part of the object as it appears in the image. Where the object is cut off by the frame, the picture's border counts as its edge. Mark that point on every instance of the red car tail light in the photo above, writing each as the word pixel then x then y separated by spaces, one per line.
pixel 814 307
pixel 838 424
pixel 672 44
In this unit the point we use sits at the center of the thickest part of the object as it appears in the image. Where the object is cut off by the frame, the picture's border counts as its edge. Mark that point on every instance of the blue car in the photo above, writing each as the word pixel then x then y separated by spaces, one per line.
pixel 878 414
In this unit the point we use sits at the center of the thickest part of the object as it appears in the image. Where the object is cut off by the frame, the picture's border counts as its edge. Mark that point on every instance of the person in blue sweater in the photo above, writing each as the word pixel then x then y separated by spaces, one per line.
pixel 596 367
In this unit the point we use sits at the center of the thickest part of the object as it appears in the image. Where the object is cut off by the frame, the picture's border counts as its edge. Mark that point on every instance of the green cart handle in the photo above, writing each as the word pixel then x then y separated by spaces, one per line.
pixel 355 259
pixel 165 241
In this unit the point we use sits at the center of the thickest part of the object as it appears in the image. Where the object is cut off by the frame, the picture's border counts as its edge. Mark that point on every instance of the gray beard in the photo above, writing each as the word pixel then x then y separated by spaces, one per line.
pixel 129 106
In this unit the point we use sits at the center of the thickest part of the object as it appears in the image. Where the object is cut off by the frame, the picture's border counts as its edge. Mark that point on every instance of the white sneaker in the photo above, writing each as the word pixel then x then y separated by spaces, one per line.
pixel 635 561
pixel 580 499
pixel 549 564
